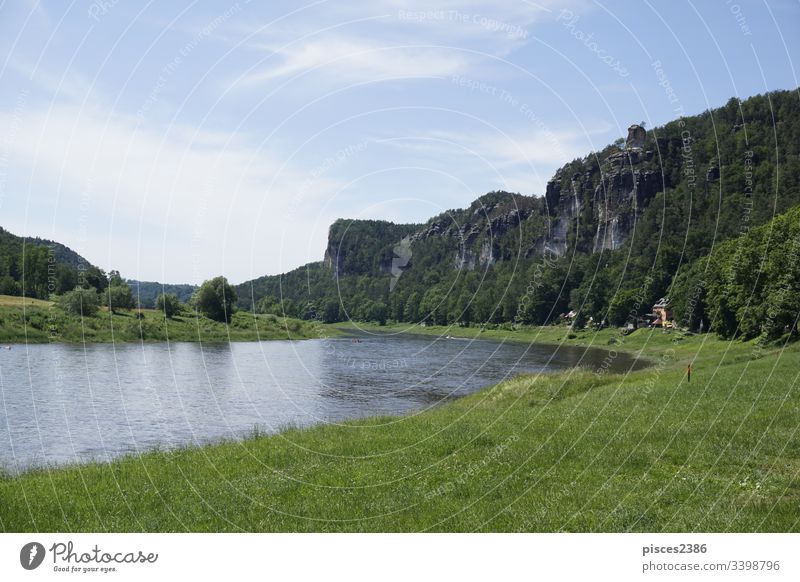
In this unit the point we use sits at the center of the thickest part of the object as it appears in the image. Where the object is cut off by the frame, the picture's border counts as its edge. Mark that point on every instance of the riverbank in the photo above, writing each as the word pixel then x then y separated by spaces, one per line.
pixel 572 451
pixel 611 339
pixel 36 321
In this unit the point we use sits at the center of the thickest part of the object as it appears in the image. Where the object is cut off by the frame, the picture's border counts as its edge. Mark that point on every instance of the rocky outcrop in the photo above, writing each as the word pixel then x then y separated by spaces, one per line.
pixel 636 137
pixel 591 204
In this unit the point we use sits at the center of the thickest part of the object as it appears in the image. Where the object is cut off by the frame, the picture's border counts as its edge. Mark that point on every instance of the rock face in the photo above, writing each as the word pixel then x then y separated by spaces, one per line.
pixel 364 247
pixel 602 201
pixel 616 203
pixel 590 204
pixel 564 207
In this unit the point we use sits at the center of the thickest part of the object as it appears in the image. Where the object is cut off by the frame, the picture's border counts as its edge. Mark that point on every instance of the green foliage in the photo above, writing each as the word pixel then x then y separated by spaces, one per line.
pixel 118 295
pixel 40 322
pixel 216 299
pixel 752 282
pixel 8 286
pixel 80 301
pixel 146 292
pixel 39 268
pixel 269 304
pixel 169 304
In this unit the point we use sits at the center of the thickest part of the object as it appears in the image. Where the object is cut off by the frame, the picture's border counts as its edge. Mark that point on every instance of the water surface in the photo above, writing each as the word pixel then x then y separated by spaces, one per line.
pixel 69 403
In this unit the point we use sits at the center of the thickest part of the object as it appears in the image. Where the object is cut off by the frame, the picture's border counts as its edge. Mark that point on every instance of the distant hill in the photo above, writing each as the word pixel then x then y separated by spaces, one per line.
pixel 50 267
pixel 63 253
pixel 147 291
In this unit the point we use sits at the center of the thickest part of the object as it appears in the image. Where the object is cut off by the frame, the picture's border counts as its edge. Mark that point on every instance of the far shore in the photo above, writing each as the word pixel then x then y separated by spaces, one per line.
pixel 606 339
pixel 33 321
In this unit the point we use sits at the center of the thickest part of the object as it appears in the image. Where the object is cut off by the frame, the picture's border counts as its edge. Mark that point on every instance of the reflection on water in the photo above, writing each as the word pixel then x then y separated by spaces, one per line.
pixel 66 403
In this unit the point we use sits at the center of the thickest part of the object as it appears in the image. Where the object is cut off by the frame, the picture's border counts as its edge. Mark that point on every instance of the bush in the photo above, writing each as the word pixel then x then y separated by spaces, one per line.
pixel 169 304
pixel 80 301
pixel 119 296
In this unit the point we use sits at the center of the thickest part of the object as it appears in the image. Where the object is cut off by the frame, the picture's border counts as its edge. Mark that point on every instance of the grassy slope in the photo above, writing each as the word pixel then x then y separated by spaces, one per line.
pixel 571 451
pixel 34 322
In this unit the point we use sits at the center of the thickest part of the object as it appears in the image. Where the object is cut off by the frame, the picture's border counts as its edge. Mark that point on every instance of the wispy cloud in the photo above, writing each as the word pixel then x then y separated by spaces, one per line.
pixel 353 60
pixel 388 39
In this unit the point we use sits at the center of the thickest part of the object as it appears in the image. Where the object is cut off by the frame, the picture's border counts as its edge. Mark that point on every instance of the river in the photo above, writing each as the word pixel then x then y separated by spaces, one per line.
pixel 64 404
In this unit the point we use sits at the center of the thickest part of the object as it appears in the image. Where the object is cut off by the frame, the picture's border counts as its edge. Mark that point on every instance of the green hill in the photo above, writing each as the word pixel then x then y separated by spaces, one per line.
pixel 38 268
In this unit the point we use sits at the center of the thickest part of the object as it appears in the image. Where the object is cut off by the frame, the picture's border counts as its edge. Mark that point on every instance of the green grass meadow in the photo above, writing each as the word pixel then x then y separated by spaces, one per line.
pixel 573 451
pixel 36 321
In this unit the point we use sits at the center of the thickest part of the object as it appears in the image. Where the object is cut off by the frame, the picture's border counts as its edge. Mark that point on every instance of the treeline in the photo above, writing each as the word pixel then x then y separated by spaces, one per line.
pixel 146 292
pixel 214 299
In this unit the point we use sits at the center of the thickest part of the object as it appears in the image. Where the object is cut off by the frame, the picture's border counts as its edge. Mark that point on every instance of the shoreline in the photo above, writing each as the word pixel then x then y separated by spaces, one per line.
pixel 608 339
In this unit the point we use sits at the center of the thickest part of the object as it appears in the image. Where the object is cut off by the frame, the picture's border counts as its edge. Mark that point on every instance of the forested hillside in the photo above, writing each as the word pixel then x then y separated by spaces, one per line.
pixel 146 292
pixel 39 268
pixel 606 239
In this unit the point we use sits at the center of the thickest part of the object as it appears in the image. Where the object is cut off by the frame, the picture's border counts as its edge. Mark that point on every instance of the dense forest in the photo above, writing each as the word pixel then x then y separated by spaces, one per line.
pixel 615 232
pixel 41 269
pixel 748 286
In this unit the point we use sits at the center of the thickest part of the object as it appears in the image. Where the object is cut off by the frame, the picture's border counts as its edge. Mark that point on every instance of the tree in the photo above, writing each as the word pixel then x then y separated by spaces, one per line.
pixel 80 301
pixel 94 277
pixel 169 304
pixel 433 307
pixel 114 278
pixel 66 278
pixel 215 299
pixel 411 308
pixel 119 295
pixel 375 311
pixel 8 286
pixel 625 307
pixel 330 311
pixel 35 272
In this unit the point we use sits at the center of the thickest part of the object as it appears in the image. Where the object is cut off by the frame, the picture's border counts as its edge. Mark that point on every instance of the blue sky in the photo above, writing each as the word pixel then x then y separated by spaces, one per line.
pixel 177 141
